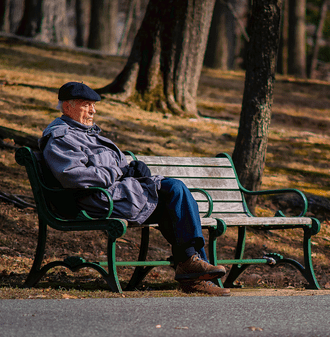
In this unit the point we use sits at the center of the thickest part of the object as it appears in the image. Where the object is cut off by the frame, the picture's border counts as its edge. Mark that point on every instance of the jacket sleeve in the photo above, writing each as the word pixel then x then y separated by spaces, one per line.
pixel 73 168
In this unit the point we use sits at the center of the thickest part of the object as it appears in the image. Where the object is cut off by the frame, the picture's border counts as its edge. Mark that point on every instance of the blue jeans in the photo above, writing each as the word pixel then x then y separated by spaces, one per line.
pixel 178 218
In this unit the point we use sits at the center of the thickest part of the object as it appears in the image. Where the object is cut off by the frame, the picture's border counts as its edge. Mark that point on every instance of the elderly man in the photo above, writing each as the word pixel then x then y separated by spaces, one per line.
pixel 79 157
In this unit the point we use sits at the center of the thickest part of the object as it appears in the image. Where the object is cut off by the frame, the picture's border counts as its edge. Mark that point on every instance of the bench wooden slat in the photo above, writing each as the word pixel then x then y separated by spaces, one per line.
pixel 264 221
pixel 200 172
pixel 223 207
pixel 219 195
pixel 183 161
pixel 210 184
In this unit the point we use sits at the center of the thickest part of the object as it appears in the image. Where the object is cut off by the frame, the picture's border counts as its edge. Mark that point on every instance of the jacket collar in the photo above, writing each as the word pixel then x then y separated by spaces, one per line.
pixel 94 129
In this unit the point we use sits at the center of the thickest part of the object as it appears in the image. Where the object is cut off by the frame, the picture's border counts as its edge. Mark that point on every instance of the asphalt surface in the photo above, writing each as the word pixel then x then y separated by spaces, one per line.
pixel 174 316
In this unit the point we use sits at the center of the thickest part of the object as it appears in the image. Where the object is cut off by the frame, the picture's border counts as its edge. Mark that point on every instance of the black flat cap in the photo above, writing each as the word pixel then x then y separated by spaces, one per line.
pixel 76 90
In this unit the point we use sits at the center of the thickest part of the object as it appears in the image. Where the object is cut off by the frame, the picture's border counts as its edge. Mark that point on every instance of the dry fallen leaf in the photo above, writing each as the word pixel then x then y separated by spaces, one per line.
pixel 67 296
pixel 254 328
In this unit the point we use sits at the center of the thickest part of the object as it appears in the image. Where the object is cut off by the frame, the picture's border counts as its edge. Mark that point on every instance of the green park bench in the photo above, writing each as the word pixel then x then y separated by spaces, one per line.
pixel 220 196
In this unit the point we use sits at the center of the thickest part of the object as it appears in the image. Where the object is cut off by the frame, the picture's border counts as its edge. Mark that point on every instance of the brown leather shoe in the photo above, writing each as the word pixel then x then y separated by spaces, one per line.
pixel 204 287
pixel 196 268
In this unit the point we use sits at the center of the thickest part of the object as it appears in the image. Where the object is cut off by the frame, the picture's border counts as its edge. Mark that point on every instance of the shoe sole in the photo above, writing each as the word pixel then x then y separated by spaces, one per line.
pixel 199 276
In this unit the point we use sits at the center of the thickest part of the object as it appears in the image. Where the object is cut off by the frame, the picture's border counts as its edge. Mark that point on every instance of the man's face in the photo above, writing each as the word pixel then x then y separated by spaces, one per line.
pixel 80 110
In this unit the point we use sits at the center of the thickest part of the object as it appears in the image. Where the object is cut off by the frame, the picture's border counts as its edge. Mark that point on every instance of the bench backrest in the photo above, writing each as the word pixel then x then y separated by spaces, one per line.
pixel 40 177
pixel 215 175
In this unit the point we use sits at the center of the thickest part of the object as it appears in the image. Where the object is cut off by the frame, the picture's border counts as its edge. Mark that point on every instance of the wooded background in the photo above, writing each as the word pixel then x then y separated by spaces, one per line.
pixel 111 25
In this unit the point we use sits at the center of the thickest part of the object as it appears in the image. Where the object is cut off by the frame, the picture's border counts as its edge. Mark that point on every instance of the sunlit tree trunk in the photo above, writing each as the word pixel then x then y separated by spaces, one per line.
pixel 251 143
pixel 164 67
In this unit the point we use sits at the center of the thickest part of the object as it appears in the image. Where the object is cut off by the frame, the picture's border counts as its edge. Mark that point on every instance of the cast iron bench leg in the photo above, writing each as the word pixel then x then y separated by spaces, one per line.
pixel 35 273
pixel 236 270
pixel 141 272
pixel 309 271
pixel 112 277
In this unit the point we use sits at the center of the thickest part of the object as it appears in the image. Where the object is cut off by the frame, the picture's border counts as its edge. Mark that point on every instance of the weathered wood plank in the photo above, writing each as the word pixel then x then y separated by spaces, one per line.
pixel 219 195
pixel 188 161
pixel 229 184
pixel 184 171
pixel 259 221
pixel 222 207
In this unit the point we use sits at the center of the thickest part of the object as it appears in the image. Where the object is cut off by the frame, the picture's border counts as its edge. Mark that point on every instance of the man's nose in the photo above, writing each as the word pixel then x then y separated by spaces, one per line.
pixel 92 109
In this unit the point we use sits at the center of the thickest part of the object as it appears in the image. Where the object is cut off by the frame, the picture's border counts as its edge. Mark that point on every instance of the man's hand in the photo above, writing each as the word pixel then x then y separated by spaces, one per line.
pixel 140 169
pixel 127 172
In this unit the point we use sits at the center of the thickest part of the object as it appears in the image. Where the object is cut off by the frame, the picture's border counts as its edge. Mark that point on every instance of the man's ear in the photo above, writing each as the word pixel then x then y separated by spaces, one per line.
pixel 66 106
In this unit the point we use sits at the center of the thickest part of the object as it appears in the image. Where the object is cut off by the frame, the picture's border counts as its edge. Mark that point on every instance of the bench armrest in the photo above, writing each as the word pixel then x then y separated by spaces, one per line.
pixel 281 191
pixel 91 190
pixel 63 194
pixel 209 199
pixel 268 192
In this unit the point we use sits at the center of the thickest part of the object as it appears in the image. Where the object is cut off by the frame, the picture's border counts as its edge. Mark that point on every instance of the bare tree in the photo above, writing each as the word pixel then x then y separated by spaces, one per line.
pixel 282 62
pixel 251 143
pixel 45 20
pixel 164 67
pixel 297 38
pixel 31 20
pixel 82 11
pixel 217 53
pixel 227 27
pixel 4 16
pixel 102 33
pixel 317 37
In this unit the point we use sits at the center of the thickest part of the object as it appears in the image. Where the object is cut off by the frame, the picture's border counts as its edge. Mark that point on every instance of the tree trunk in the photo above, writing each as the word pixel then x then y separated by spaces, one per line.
pixel 4 16
pixel 54 23
pixel 251 143
pixel 82 9
pixel 31 20
pixel 317 38
pixel 297 38
pixel 102 34
pixel 164 67
pixel 282 64
pixel 45 20
pixel 216 55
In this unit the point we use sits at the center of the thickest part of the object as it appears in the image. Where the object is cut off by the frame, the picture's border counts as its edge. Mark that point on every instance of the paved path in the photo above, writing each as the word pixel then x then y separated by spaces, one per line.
pixel 175 316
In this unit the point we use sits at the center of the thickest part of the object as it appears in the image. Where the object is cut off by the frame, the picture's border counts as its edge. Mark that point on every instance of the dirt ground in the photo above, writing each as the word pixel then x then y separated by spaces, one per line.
pixel 298 156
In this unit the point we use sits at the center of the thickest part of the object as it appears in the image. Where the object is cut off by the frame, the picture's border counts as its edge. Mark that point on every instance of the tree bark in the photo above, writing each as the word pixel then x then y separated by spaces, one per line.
pixel 251 143
pixel 217 54
pixel 164 67
pixel 282 64
pixel 31 20
pixel 297 38
pixel 102 34
pixel 4 16
pixel 82 9
pixel 45 20
pixel 317 37
pixel 54 23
